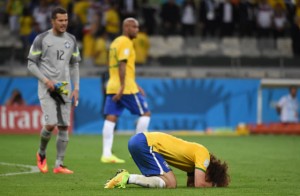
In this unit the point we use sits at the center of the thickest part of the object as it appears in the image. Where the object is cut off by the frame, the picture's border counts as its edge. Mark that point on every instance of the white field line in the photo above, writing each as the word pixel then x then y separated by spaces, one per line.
pixel 33 169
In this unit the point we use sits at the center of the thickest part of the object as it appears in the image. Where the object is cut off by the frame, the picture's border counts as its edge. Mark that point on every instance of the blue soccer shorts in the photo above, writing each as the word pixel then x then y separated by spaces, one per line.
pixel 135 103
pixel 150 163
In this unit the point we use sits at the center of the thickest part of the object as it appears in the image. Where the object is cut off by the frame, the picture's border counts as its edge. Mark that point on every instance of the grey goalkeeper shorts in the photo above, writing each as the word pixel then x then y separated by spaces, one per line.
pixel 54 114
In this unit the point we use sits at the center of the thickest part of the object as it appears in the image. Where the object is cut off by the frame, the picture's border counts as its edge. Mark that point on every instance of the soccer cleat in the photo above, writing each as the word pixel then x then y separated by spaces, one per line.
pixel 119 180
pixel 111 159
pixel 62 170
pixel 42 163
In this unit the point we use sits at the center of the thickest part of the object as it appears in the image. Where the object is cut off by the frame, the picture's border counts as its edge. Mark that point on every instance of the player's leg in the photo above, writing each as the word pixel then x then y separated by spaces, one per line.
pixel 50 120
pixel 112 110
pixel 143 123
pixel 63 115
pixel 45 137
pixel 137 104
pixel 156 173
pixel 148 163
pixel 147 181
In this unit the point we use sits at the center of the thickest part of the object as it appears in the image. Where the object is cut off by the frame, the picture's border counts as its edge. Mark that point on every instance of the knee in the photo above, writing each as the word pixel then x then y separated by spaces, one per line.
pixel 63 128
pixel 111 118
pixel 147 114
pixel 50 127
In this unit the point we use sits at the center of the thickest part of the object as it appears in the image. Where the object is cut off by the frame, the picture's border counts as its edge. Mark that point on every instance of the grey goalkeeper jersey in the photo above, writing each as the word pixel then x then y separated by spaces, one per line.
pixel 54 57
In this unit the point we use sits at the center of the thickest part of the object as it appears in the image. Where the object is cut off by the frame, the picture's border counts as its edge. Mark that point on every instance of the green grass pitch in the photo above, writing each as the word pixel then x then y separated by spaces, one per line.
pixel 258 165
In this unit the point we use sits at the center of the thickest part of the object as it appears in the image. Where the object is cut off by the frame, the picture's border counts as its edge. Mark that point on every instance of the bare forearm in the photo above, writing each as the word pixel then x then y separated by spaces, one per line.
pixel 74 73
pixel 190 181
pixel 122 73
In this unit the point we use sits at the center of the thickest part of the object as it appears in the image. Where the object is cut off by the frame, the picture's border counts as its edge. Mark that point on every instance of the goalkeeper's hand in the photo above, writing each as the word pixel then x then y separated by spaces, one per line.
pixel 60 87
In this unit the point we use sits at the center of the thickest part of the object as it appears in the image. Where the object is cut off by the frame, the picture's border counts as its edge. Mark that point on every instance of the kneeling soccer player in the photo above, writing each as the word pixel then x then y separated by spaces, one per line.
pixel 153 152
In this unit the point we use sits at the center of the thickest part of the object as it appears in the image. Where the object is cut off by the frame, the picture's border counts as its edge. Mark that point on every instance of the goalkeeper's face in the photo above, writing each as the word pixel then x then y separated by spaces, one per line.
pixel 60 23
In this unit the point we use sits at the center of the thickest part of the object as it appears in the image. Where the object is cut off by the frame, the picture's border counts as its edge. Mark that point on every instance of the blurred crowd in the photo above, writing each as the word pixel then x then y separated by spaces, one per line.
pixel 95 23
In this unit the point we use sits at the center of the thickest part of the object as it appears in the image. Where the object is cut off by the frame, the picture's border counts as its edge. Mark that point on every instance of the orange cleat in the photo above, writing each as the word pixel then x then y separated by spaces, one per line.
pixel 62 170
pixel 42 163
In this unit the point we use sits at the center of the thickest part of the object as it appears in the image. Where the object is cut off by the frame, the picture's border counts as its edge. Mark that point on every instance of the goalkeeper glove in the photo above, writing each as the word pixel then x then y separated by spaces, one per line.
pixel 60 87
pixel 57 97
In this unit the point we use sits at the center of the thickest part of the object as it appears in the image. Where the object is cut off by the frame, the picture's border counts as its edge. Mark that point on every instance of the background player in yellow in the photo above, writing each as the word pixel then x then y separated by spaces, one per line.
pixel 100 49
pixel 142 45
pixel 122 90
pixel 154 152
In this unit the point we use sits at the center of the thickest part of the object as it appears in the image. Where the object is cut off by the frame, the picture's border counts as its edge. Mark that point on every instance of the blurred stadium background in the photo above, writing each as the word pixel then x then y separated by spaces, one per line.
pixel 206 66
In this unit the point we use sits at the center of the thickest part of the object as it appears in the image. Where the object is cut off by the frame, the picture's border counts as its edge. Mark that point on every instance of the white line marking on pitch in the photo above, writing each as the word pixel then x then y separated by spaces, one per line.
pixel 33 169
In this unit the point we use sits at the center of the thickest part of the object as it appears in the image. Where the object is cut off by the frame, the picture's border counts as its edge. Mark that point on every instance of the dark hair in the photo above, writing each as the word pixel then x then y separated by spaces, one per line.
pixel 57 10
pixel 292 87
pixel 217 172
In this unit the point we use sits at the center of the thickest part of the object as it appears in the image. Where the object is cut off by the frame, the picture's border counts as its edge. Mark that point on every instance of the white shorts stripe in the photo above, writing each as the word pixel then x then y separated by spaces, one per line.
pixel 158 164
pixel 139 104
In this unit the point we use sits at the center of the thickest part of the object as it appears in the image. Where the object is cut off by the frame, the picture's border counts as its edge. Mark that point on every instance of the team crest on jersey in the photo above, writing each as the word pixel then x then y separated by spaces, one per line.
pixel 46 117
pixel 206 163
pixel 67 44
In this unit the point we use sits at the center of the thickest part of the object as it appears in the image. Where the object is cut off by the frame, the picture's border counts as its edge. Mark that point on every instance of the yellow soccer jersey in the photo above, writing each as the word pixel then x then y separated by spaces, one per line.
pixel 121 49
pixel 181 154
pixel 80 10
pixel 100 52
pixel 112 21
pixel 141 45
pixel 88 45
pixel 25 25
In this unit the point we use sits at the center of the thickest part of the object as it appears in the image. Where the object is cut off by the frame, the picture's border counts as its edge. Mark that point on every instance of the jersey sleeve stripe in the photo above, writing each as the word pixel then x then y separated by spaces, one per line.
pixel 36 52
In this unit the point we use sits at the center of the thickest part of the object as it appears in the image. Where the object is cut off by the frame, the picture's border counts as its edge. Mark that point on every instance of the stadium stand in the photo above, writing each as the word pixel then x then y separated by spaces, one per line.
pixel 202 55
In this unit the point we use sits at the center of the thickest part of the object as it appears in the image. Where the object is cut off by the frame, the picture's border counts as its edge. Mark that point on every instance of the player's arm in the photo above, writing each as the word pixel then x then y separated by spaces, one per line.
pixel 278 109
pixel 33 57
pixel 122 73
pixel 74 73
pixel 141 90
pixel 279 105
pixel 33 68
pixel 190 179
pixel 200 179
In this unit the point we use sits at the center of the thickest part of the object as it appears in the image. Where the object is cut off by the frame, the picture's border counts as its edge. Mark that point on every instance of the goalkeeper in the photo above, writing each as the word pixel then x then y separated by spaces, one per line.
pixel 54 60
pixel 153 152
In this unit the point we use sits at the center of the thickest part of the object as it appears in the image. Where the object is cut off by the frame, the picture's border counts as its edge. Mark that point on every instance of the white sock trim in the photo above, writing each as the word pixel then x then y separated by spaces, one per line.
pixel 151 182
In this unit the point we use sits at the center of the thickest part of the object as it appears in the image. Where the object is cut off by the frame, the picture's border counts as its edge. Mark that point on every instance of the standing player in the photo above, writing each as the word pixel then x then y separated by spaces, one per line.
pixel 122 90
pixel 288 106
pixel 53 59
pixel 154 152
